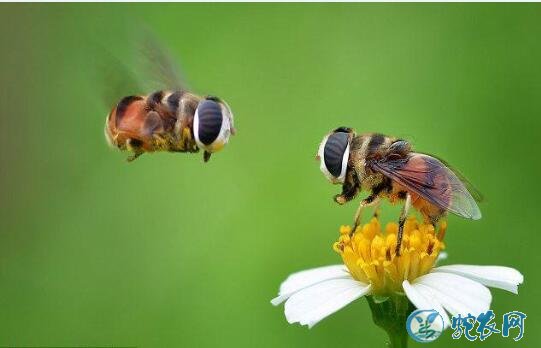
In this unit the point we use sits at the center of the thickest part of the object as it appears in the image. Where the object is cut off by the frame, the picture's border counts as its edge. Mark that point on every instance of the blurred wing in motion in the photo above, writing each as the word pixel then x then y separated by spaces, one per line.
pixel 431 179
pixel 115 78
pixel 138 68
pixel 158 69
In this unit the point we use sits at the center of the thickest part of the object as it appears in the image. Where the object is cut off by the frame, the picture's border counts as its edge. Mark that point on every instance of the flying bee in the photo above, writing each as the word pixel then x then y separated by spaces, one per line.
pixel 171 119
pixel 175 121
pixel 388 168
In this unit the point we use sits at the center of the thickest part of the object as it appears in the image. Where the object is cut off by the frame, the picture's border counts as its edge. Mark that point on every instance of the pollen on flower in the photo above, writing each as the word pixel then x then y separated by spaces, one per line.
pixel 369 253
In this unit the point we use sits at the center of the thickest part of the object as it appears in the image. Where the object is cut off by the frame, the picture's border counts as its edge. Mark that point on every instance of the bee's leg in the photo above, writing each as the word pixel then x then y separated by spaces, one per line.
pixel 377 203
pixel 206 156
pixel 135 146
pixel 368 201
pixel 350 187
pixel 401 221
pixel 438 222
pixel 133 157
pixel 441 230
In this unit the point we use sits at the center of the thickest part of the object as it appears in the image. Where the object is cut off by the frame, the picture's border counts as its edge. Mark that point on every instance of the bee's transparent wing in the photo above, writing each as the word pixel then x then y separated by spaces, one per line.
pixel 139 67
pixel 115 79
pixel 476 194
pixel 431 179
pixel 158 69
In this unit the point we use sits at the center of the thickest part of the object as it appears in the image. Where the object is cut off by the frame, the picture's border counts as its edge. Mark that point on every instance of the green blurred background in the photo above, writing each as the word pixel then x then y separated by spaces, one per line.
pixel 168 251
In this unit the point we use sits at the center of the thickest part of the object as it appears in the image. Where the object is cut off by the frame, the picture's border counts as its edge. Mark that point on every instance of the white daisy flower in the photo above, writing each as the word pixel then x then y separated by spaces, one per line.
pixel 372 268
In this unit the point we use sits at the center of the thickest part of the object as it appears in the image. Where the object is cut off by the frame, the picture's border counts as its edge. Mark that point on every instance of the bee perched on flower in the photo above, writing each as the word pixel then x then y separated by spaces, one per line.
pixel 392 284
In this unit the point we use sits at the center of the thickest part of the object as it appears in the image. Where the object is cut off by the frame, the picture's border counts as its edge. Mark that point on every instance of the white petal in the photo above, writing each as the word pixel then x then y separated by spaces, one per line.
pixel 423 298
pixel 442 256
pixel 318 301
pixel 457 294
pixel 505 278
pixel 300 280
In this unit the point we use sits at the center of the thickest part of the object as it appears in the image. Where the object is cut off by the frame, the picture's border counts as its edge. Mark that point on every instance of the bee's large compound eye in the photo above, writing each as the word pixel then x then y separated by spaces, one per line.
pixel 211 127
pixel 334 155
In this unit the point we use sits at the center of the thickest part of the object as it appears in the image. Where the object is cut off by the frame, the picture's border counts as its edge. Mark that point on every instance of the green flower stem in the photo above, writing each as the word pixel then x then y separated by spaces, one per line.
pixel 391 314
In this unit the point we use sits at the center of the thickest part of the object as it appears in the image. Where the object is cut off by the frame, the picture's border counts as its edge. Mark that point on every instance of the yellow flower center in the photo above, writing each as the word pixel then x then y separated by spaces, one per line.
pixel 369 254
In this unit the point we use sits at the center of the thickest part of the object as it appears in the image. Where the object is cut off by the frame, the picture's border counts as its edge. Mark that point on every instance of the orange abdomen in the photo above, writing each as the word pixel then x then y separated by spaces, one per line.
pixel 127 122
pixel 431 212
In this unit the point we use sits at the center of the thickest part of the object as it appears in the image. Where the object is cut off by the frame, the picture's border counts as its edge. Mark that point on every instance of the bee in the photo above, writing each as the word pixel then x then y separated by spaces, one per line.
pixel 171 119
pixel 388 168
pixel 175 121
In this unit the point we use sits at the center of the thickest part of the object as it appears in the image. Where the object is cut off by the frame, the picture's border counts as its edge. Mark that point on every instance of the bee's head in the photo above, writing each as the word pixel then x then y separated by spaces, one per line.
pixel 333 154
pixel 212 125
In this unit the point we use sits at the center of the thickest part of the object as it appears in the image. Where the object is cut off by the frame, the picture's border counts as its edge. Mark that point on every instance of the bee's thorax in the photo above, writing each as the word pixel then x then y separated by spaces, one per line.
pixel 368 146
